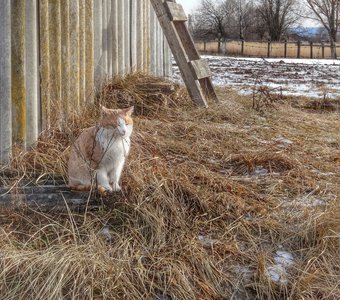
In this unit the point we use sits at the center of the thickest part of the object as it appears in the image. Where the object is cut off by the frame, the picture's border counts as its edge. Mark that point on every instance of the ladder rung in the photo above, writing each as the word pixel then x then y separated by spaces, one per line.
pixel 196 73
pixel 200 68
pixel 176 12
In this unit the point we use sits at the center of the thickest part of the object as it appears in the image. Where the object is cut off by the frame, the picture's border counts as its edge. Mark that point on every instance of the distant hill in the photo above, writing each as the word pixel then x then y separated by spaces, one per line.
pixel 309 33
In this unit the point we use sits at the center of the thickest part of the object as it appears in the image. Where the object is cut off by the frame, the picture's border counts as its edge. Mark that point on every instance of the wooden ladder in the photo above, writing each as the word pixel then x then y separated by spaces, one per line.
pixel 195 71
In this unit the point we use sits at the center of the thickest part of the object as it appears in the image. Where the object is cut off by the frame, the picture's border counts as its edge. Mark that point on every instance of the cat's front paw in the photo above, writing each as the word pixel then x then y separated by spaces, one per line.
pixel 116 187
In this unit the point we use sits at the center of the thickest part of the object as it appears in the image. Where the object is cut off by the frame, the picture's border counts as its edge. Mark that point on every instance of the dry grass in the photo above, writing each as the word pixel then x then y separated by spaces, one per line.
pixel 260 49
pixel 196 220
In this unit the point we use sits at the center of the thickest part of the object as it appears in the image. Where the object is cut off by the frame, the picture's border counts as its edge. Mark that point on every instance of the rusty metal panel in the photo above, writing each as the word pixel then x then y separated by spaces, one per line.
pixel 45 101
pixel 65 59
pixel 55 59
pixel 74 55
pixel 18 72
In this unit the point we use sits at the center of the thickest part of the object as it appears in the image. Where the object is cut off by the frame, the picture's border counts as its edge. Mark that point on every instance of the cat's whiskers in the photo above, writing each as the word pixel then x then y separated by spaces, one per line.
pixel 124 149
pixel 98 151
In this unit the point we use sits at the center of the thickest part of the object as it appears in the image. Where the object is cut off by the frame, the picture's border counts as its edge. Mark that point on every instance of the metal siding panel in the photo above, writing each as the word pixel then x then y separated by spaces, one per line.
pixel 133 35
pixel 45 101
pixel 97 24
pixel 121 38
pixel 89 55
pixel 5 86
pixel 65 59
pixel 74 56
pixel 32 120
pixel 161 53
pixel 167 59
pixel 140 35
pixel 55 57
pixel 158 48
pixel 18 72
pixel 115 40
pixel 153 41
pixel 109 38
pixel 104 65
pixel 81 53
pixel 146 33
pixel 127 44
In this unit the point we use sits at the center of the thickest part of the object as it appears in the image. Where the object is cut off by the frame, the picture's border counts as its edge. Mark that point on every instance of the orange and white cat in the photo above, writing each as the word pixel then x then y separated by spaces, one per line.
pixel 100 152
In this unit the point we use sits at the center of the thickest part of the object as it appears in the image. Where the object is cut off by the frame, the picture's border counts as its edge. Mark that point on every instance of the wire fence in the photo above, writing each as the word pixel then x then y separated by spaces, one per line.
pixel 268 49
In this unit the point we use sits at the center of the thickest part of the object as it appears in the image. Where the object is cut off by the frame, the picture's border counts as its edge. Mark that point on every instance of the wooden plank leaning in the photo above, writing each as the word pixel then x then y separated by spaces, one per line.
pixel 183 50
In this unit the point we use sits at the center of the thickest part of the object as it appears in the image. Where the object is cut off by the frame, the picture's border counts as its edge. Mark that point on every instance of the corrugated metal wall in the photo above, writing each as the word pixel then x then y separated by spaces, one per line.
pixel 55 53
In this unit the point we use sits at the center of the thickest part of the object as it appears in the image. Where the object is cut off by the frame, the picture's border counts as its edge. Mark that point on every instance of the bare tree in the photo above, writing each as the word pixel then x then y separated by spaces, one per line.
pixel 243 12
pixel 328 13
pixel 278 16
pixel 209 20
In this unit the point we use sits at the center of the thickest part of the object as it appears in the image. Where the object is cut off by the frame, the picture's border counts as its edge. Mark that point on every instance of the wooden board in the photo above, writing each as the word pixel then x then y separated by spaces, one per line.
pixel 194 72
pixel 200 68
pixel 176 12
pixel 54 198
pixel 179 53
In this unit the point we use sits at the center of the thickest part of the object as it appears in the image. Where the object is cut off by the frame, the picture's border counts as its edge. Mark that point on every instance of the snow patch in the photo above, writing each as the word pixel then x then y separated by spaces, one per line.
pixel 278 271
pixel 315 78
pixel 207 241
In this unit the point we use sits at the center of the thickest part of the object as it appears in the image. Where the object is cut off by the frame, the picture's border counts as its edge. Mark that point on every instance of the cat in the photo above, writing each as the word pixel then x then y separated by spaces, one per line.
pixel 100 152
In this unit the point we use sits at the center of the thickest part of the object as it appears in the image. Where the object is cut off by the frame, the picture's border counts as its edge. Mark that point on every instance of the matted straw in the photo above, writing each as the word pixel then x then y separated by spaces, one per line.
pixel 209 197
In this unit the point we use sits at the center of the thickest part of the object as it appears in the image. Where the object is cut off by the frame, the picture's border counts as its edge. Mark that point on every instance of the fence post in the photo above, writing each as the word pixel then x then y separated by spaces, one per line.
pixel 298 49
pixel 205 46
pixel 323 49
pixel 268 49
pixel 311 49
pixel 224 48
pixel 285 49
pixel 5 86
pixel 242 47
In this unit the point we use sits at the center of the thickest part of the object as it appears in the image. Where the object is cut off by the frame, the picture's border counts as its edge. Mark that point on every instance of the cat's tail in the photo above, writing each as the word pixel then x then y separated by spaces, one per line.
pixel 80 188
pixel 87 188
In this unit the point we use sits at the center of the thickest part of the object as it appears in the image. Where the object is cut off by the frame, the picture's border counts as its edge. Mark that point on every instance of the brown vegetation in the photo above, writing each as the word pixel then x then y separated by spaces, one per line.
pixel 209 196
pixel 260 49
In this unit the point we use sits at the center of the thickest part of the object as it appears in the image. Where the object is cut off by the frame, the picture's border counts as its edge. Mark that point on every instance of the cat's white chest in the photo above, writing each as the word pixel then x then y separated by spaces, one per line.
pixel 114 148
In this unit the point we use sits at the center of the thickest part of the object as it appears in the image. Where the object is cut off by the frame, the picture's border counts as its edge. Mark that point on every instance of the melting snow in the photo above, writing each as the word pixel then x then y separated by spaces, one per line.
pixel 260 171
pixel 298 77
pixel 284 143
pixel 206 241
pixel 278 271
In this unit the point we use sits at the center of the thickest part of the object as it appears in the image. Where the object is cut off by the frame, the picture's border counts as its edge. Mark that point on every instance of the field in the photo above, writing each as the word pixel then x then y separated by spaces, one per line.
pixel 260 49
pixel 292 77
pixel 227 202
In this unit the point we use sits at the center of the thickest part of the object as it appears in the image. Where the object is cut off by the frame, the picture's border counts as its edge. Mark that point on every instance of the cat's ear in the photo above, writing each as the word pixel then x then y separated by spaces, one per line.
pixel 104 110
pixel 129 111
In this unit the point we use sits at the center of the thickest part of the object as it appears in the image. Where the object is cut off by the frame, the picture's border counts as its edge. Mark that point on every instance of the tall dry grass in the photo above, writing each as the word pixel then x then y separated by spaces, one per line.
pixel 194 220
pixel 260 49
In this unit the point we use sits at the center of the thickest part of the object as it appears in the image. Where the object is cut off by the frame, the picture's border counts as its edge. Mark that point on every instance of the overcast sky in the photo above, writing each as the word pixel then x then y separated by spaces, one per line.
pixel 189 5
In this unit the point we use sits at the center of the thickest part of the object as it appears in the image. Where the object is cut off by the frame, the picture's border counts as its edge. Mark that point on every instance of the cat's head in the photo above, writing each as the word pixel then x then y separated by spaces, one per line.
pixel 119 119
